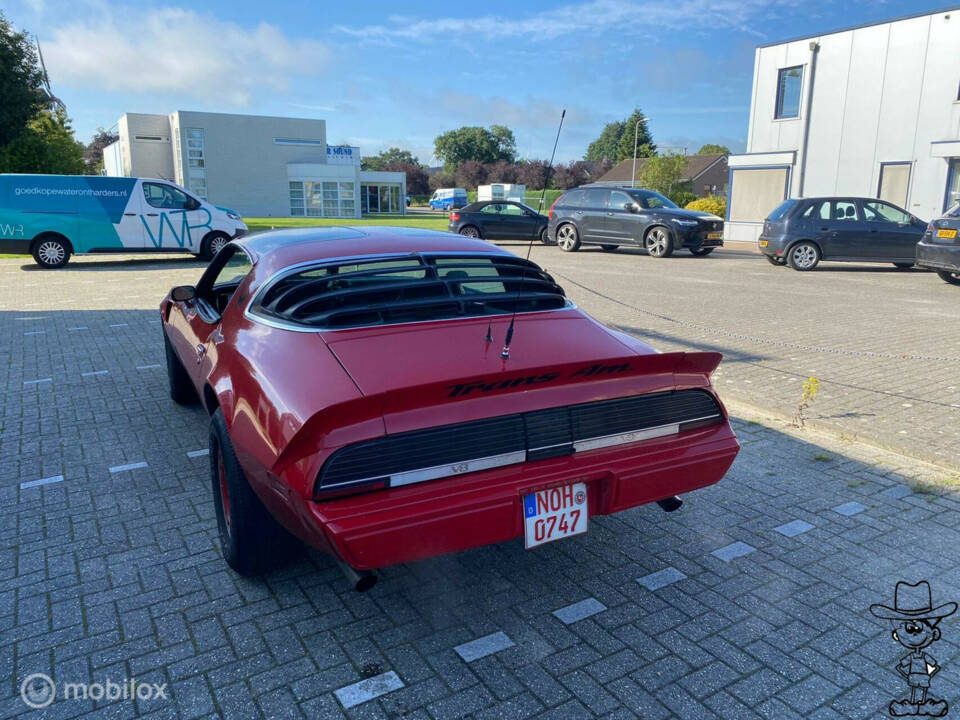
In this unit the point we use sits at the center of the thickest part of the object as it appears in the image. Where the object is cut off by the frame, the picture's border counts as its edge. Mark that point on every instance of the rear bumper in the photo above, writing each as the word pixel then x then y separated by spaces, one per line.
pixel 409 523
pixel 938 256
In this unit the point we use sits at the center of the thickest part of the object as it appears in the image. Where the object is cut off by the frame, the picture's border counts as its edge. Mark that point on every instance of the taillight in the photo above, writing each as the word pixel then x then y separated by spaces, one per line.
pixel 550 211
pixel 930 227
pixel 454 217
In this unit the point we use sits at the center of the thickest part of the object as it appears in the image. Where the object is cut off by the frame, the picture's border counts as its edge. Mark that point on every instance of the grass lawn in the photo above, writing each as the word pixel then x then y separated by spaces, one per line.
pixel 436 221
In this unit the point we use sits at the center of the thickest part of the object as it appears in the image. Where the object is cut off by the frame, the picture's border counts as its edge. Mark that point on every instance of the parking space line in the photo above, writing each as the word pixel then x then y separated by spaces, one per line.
pixel 481 647
pixel 147 367
pixel 37 382
pixel 366 690
pixel 36 332
pixel 849 509
pixel 733 551
pixel 79 327
pixel 118 325
pixel 129 466
pixel 897 492
pixel 661 578
pixel 95 372
pixel 198 453
pixel 28 318
pixel 41 481
pixel 579 611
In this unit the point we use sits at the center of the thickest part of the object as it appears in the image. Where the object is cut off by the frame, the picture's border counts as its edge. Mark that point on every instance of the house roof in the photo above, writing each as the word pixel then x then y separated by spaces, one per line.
pixel 695 165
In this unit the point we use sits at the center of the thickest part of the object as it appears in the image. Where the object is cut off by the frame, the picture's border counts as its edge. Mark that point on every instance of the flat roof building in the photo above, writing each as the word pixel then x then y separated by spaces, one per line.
pixel 870 111
pixel 259 166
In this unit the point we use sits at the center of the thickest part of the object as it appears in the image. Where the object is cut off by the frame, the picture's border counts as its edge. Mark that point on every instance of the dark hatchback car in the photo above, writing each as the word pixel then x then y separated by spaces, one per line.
pixel 611 217
pixel 940 247
pixel 802 232
pixel 499 220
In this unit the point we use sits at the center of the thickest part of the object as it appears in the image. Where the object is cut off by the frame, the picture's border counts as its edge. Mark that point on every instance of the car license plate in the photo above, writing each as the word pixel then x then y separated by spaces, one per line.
pixel 553 514
pixel 764 243
pixel 945 233
pixel 715 235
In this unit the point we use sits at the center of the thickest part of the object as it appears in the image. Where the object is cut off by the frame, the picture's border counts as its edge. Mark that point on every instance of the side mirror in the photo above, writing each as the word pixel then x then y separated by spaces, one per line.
pixel 183 293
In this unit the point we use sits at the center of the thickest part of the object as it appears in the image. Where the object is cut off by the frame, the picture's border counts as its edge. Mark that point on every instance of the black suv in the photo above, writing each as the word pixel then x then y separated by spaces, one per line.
pixel 612 216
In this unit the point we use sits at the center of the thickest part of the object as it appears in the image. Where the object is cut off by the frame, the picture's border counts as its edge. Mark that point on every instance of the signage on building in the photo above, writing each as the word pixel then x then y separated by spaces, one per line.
pixel 343 155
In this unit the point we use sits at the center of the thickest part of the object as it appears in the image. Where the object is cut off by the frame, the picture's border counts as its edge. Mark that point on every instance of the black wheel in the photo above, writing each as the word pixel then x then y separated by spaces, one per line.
pixel 52 251
pixel 469 231
pixel 657 242
pixel 609 248
pixel 950 276
pixel 545 237
pixel 212 244
pixel 903 266
pixel 775 260
pixel 701 252
pixel 803 256
pixel 182 391
pixel 568 238
pixel 251 540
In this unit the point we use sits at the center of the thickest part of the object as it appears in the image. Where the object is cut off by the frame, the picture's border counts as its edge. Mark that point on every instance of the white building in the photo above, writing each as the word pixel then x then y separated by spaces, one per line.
pixel 871 111
pixel 258 166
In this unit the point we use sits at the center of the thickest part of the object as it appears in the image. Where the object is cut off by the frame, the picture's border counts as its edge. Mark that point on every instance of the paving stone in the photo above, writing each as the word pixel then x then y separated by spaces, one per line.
pixel 661 578
pixel 733 551
pixel 794 528
pixel 481 647
pixel 368 689
pixel 579 611
pixel 849 509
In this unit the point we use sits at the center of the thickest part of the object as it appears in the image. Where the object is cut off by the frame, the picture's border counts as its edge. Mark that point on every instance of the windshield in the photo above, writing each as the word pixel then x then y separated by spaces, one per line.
pixel 954 211
pixel 651 200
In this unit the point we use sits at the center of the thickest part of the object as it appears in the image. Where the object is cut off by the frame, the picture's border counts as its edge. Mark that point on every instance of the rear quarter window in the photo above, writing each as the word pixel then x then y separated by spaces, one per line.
pixel 571 199
pixel 781 210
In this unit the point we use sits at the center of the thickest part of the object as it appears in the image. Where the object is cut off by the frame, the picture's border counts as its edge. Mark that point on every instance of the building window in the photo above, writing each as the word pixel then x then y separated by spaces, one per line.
pixel 894 183
pixel 322 199
pixel 196 166
pixel 383 198
pixel 148 138
pixel 296 199
pixel 294 141
pixel 789 81
pixel 754 192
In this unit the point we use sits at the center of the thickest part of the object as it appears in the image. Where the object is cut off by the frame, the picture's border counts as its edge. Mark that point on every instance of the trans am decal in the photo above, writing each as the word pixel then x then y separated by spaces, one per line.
pixel 524 381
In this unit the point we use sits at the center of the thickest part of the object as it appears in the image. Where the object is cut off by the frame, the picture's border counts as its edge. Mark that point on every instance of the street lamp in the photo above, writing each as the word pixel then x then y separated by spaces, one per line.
pixel 636 130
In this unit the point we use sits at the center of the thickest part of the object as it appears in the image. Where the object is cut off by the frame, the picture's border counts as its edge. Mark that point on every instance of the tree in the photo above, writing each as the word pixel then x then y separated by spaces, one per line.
pixel 502 172
pixel 562 178
pixel 532 173
pixel 442 180
pixel 713 149
pixel 470 174
pixel 663 172
pixel 475 143
pixel 20 82
pixel 93 154
pixel 418 183
pixel 387 157
pixel 616 141
pixel 47 145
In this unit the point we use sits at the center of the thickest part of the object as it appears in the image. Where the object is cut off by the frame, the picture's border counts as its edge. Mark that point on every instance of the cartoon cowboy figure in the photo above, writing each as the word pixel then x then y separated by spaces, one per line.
pixel 915 623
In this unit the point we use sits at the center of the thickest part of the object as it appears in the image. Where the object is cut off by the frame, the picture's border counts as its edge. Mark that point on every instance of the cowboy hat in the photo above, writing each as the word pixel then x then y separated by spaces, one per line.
pixel 913 602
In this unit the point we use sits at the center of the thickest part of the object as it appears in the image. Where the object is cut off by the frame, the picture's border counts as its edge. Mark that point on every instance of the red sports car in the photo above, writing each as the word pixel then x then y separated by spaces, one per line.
pixel 388 394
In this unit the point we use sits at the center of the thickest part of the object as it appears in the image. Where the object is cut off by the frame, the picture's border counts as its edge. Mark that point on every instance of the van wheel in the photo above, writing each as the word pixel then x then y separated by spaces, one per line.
pixel 212 244
pixel 657 242
pixel 51 252
pixel 251 540
pixel 567 238
pixel 182 391
pixel 803 256
pixel 949 276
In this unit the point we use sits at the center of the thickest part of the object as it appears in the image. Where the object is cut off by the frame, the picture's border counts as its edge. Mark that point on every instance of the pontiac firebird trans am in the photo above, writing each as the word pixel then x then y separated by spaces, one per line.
pixel 388 394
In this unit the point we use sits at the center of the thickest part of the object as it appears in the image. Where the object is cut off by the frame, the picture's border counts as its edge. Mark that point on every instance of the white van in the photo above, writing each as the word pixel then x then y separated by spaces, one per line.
pixel 55 216
pixel 448 198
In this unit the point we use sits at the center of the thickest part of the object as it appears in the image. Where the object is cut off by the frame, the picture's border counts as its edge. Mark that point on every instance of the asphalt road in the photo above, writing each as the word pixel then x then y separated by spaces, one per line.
pixel 884 343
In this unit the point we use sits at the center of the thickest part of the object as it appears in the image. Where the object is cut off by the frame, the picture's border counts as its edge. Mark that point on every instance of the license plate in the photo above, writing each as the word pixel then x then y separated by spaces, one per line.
pixel 553 514
pixel 715 235
pixel 945 233
pixel 764 243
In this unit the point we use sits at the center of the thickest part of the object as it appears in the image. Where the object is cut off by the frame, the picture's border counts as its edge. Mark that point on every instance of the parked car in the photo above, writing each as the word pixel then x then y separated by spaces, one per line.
pixel 499 220
pixel 802 232
pixel 939 249
pixel 360 401
pixel 55 216
pixel 448 198
pixel 611 217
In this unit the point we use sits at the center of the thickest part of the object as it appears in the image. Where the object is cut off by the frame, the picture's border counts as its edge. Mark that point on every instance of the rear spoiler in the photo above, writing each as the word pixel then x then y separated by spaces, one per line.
pixel 451 401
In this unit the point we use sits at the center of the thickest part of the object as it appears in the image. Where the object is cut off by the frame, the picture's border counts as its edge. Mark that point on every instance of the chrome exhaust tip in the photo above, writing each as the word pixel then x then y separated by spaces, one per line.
pixel 360 580
pixel 670 504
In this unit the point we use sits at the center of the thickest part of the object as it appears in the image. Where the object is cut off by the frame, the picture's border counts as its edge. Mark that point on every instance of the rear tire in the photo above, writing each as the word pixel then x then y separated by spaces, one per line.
pixel 251 540
pixel 469 231
pixel 51 252
pixel 568 239
pixel 212 244
pixel 658 243
pixel 804 256
pixel 949 276
pixel 182 391
pixel 903 266
pixel 701 252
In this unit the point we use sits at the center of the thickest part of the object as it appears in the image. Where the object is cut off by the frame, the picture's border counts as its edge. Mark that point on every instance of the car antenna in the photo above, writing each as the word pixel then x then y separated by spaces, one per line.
pixel 505 353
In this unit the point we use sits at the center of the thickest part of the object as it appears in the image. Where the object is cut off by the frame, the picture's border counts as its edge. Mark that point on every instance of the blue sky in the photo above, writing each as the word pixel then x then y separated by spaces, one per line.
pixel 385 74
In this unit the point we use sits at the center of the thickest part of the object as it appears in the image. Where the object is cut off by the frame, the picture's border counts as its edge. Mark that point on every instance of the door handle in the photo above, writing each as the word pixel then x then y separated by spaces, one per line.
pixel 824 229
pixel 130 214
pixel 579 212
pixel 610 214
pixel 153 214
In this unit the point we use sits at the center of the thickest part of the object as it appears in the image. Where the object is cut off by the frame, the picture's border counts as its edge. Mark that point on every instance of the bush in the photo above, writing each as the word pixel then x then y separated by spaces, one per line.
pixel 682 197
pixel 715 204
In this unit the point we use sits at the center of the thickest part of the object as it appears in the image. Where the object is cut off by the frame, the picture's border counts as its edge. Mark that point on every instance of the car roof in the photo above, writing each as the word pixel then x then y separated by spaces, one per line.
pixel 277 249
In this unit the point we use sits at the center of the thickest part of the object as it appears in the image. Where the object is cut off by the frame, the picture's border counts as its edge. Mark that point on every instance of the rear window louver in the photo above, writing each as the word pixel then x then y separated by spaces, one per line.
pixel 407 289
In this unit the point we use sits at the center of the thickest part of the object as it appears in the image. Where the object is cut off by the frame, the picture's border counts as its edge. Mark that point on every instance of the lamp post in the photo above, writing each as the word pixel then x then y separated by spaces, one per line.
pixel 636 130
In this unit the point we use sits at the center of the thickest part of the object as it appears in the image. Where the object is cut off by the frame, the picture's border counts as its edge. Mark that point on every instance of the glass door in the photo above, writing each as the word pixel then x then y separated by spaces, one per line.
pixel 371 199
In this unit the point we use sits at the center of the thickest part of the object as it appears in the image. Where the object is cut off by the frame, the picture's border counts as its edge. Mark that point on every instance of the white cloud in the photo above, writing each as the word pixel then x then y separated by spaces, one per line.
pixel 637 18
pixel 179 52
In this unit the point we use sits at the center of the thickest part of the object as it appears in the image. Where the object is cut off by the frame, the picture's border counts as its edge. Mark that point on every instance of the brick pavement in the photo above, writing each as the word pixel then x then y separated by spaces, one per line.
pixel 110 566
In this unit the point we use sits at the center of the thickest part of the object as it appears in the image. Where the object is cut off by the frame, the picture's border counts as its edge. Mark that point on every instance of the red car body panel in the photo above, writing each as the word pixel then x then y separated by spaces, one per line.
pixel 291 399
